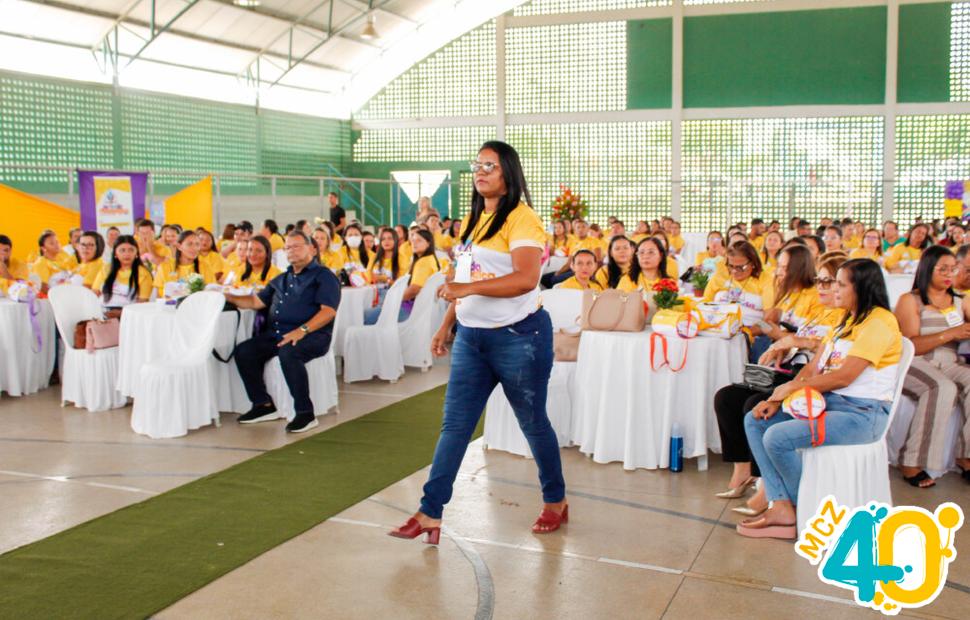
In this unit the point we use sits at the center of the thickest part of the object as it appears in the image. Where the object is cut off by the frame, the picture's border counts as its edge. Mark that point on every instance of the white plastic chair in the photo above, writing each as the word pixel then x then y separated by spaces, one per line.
pixel 87 379
pixel 176 393
pixel 371 350
pixel 416 332
pixel 322 373
pixel 502 430
pixel 856 474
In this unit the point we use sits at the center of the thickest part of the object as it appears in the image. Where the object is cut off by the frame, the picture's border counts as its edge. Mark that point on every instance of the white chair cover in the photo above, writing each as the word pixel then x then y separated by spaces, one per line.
pixel 900 429
pixel 322 372
pixel 502 430
pixel 177 393
pixel 87 379
pixel 371 350
pixel 417 330
pixel 856 474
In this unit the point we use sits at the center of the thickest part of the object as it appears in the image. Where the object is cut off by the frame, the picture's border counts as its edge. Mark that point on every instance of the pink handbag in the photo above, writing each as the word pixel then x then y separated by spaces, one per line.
pixel 101 334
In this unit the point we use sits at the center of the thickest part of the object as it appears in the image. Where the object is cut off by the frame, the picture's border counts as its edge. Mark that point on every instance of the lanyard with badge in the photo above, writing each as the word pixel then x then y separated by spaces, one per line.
pixel 953 316
pixel 463 255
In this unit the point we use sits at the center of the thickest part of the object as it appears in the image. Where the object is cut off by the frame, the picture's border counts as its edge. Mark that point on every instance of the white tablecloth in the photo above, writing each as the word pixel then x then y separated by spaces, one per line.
pixel 897 285
pixel 350 313
pixel 144 331
pixel 22 370
pixel 624 411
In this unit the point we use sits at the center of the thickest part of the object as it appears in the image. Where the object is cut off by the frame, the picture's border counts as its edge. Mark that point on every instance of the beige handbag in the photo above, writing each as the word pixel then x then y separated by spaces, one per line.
pixel 613 311
pixel 565 346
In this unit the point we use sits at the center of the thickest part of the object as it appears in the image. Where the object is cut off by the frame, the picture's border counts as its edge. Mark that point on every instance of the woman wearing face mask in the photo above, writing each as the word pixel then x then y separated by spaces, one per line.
pixel 125 280
pixel 620 253
pixel 355 257
pixel 904 257
pixel 90 246
pixel 185 262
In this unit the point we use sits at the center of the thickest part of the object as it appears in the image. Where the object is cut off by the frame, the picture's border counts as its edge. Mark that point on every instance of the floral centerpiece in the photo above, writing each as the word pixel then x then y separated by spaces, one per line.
pixel 195 282
pixel 568 205
pixel 665 294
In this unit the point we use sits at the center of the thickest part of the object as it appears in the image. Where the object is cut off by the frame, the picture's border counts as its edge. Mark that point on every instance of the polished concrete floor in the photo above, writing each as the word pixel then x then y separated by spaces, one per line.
pixel 639 544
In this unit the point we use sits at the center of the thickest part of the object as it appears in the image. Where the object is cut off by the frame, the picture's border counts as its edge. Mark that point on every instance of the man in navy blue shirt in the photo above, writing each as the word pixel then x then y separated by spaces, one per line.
pixel 302 305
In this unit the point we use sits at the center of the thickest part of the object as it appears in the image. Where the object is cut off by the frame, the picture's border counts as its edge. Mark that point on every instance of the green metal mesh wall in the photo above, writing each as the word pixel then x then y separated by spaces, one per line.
pixel 930 150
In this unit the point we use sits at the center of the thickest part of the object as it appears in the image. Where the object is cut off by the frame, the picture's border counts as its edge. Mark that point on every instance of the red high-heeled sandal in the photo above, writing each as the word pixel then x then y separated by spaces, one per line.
pixel 549 521
pixel 412 529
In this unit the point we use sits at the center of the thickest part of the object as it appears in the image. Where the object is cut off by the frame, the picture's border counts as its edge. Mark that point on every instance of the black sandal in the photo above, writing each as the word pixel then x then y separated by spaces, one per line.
pixel 918 478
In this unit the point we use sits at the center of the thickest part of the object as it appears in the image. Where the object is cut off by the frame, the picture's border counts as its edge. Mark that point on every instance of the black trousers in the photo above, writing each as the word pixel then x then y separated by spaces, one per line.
pixel 252 355
pixel 731 404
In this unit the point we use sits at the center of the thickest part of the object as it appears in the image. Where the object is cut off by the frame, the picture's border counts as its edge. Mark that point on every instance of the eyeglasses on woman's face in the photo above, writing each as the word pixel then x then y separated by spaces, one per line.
pixel 487 166
pixel 825 283
pixel 739 268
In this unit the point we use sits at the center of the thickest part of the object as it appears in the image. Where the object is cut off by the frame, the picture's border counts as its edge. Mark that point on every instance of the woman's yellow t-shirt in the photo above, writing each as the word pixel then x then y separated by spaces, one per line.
pixel 904 256
pixel 217 264
pixel 492 258
pixel 45 267
pixel 677 243
pixel 575 285
pixel 673 269
pixel 383 272
pixel 564 246
pixel 276 242
pixel 424 268
pixel 120 289
pixel 643 283
pixel 589 243
pixel 703 256
pixel 167 272
pixel 18 269
pixel 254 278
pixel 864 253
pixel 354 256
pixel 602 277
pixel 801 307
pixel 442 242
pixel 755 295
pixel 877 340
pixel 90 271
pixel 332 260
pixel 852 243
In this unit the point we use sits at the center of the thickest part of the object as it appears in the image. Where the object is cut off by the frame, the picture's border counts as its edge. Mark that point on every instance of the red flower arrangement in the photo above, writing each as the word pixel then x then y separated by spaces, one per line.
pixel 568 205
pixel 665 293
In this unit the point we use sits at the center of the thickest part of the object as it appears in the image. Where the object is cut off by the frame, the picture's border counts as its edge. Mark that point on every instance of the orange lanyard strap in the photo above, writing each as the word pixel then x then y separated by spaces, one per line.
pixel 653 347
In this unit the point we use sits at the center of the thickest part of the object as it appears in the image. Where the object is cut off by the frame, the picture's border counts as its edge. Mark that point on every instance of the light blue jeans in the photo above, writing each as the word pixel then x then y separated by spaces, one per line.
pixel 774 442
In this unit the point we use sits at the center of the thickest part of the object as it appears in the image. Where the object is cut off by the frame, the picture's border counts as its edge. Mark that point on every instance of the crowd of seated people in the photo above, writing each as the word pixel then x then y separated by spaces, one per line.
pixel 804 292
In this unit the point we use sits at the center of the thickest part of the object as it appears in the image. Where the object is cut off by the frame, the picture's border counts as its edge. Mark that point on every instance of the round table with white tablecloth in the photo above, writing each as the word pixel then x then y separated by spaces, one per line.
pixel 624 411
pixel 350 313
pixel 145 330
pixel 26 355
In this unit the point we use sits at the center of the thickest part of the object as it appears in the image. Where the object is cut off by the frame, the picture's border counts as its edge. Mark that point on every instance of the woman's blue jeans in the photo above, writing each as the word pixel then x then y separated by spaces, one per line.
pixel 520 358
pixel 774 442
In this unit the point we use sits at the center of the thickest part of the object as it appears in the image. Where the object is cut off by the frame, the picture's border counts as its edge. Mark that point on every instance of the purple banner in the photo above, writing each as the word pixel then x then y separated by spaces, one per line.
pixel 111 199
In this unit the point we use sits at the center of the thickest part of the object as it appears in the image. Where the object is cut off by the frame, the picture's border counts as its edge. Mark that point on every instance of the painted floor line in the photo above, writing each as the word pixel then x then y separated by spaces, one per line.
pixel 100 485
pixel 820 597
pixel 132 444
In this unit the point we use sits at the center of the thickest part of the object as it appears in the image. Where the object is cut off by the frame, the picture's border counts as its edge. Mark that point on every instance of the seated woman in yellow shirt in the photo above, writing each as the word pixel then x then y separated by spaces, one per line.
pixel 238 256
pixel 424 264
pixel 715 249
pixel 561 243
pixel 855 372
pixel 185 262
pixel 672 269
pixel 773 242
pixel 209 254
pixel 620 260
pixel 871 247
pixel 676 240
pixel 51 260
pixel 259 268
pixel 388 264
pixel 583 265
pixel 745 282
pixel 404 241
pixel 328 257
pixel 125 280
pixel 649 267
pixel 11 269
pixel 904 257
pixel 90 247
pixel 796 299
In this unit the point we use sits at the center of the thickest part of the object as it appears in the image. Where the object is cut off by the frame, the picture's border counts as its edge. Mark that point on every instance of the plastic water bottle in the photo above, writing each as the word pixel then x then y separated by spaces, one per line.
pixel 676 449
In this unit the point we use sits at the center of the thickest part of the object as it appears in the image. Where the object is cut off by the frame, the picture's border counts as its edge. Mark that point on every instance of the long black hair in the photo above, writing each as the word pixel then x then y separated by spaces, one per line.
pixel 516 191
pixel 924 272
pixel 185 234
pixel 136 265
pixel 927 240
pixel 636 270
pixel 427 236
pixel 379 256
pixel 870 289
pixel 248 271
pixel 613 271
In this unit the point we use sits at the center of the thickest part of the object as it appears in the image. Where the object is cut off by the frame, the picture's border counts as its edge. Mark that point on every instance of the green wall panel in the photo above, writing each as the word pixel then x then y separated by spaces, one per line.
pixel 924 53
pixel 834 56
pixel 649 58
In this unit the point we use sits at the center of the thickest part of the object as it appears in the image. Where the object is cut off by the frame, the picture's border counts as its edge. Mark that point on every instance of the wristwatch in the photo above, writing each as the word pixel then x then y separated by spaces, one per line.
pixel 305 328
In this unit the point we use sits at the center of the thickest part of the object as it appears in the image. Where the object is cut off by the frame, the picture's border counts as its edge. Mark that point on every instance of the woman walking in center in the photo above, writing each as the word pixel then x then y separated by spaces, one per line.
pixel 504 336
